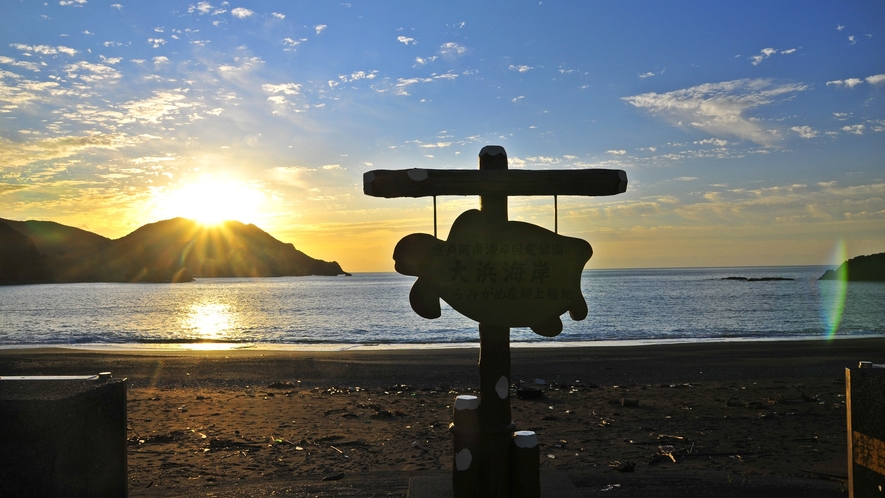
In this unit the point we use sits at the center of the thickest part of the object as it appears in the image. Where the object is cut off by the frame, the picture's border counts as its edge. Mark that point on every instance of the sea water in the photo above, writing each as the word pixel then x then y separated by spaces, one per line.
pixel 652 305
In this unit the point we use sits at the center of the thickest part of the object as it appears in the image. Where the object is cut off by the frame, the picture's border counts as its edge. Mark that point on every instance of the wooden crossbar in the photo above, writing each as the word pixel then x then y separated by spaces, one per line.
pixel 434 182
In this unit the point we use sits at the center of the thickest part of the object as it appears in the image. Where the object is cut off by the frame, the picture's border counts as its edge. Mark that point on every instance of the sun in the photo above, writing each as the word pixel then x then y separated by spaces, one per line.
pixel 211 201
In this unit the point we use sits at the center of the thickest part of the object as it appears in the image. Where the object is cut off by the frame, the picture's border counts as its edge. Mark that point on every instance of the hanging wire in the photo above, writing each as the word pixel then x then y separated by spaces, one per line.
pixel 434 216
pixel 555 215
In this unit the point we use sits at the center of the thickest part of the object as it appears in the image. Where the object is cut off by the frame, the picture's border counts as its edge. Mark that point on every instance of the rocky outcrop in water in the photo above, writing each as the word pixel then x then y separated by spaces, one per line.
pixel 869 268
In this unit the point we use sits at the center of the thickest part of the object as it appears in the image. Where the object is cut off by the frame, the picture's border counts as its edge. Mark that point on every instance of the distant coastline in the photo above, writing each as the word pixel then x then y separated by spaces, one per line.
pixel 169 251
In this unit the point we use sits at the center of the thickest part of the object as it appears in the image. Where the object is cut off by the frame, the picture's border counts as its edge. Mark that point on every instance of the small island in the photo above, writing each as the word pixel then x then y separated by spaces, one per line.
pixel 176 250
pixel 869 268
pixel 758 279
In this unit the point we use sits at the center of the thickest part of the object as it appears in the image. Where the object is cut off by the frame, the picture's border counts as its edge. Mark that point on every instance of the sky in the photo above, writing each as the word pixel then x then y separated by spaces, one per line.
pixel 752 133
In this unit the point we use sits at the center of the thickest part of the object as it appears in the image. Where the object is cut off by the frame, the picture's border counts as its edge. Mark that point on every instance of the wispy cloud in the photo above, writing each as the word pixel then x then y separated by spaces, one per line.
pixel 451 49
pixel 405 40
pixel 521 69
pixel 768 52
pixel 91 73
pixel 320 27
pixel 718 108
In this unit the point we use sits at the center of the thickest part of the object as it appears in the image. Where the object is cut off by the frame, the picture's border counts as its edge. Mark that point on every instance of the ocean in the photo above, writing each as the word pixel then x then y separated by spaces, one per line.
pixel 631 306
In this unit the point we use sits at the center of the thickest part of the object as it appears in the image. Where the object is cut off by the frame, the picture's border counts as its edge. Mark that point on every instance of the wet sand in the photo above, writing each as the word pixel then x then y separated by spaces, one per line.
pixel 728 417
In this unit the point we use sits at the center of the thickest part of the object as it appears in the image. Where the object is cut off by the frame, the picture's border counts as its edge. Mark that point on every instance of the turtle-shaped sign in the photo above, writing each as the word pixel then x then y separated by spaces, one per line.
pixel 508 274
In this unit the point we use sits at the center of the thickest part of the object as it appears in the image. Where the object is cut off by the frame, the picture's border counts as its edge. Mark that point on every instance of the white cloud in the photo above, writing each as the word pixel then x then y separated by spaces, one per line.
pixel 765 53
pixel 852 40
pixel 285 88
pixel 44 49
pixel 420 61
pixel 161 59
pixel 162 105
pixel 850 82
pixel 647 75
pixel 451 49
pixel 616 152
pixel 713 141
pixel 875 80
pixel 521 69
pixel 854 129
pixel 291 43
pixel 320 27
pixel 768 52
pixel 117 6
pixel 201 8
pixel 405 40
pixel 91 73
pixel 33 66
pixel 805 131
pixel 110 60
pixel 278 15
pixel 75 3
pixel 840 27
pixel 156 42
pixel 718 108
pixel 358 75
pixel 241 12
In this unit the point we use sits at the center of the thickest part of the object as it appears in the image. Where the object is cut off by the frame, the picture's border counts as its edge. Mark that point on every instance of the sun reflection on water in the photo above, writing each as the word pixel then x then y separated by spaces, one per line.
pixel 209 321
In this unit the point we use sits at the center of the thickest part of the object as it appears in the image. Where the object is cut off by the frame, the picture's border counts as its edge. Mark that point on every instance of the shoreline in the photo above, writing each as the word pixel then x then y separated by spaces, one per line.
pixel 332 347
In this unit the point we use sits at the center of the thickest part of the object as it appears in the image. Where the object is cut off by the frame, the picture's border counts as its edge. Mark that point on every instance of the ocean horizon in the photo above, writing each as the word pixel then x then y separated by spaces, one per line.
pixel 371 311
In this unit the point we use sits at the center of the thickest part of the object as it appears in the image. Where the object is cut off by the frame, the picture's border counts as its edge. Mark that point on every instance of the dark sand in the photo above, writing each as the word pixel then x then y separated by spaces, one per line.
pixel 723 419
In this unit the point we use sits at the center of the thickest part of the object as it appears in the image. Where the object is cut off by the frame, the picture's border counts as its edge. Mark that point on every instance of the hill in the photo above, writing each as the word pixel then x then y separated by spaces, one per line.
pixel 862 268
pixel 173 250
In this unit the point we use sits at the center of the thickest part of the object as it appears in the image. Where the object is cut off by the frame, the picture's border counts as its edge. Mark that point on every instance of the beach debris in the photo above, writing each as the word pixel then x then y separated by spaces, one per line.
pixel 610 487
pixel 667 450
pixel 540 382
pixel 629 402
pixel 626 466
pixel 529 393
pixel 334 477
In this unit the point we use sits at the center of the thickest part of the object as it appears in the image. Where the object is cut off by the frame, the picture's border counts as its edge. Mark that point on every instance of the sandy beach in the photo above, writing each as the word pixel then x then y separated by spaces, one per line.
pixel 735 417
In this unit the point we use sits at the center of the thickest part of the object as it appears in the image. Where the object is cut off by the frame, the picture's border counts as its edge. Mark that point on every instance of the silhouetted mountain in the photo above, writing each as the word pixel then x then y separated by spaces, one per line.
pixel 173 250
pixel 64 248
pixel 20 261
pixel 862 268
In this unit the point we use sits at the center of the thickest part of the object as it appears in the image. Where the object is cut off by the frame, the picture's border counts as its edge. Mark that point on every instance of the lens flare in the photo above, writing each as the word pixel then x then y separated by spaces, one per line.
pixel 833 291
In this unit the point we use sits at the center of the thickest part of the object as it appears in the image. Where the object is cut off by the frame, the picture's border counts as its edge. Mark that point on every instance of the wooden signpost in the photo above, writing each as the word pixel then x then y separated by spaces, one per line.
pixel 500 273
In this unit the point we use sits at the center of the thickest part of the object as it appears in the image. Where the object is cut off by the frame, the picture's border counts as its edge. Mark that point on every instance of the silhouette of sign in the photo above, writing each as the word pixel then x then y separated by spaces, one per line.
pixel 509 274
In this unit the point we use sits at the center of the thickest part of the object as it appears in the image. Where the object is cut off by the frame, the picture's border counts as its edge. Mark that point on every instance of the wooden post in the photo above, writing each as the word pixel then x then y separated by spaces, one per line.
pixel 494 361
pixel 525 470
pixel 465 460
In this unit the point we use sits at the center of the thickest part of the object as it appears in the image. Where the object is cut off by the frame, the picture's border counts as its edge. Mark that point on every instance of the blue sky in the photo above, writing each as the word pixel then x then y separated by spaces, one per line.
pixel 753 133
